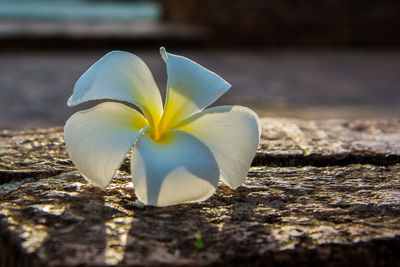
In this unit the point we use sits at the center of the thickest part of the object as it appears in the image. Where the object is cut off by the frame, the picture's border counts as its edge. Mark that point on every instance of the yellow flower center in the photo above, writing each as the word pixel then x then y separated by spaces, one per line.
pixel 155 133
pixel 169 119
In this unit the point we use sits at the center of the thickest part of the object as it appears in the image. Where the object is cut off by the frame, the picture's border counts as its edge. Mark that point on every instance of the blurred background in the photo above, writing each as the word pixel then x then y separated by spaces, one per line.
pixel 303 59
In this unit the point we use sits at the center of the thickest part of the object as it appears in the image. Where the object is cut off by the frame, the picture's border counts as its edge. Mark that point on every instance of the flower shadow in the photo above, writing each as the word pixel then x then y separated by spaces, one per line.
pixel 168 235
pixel 79 233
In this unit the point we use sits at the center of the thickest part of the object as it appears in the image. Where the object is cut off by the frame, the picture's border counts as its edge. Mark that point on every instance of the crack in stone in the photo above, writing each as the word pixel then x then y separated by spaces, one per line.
pixel 295 160
pixel 17 175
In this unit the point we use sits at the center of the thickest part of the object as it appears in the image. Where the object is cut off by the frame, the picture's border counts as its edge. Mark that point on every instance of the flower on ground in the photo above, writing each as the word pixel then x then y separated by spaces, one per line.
pixel 181 150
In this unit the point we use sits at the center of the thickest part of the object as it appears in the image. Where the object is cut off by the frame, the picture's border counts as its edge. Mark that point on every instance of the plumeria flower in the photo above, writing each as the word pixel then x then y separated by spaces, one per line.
pixel 181 150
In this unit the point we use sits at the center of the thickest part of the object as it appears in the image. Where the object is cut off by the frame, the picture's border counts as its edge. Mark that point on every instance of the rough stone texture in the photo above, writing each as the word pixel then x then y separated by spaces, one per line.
pixel 321 193
pixel 291 142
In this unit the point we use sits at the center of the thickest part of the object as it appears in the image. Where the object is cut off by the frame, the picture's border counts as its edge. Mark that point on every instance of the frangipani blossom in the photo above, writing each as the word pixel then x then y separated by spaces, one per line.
pixel 180 151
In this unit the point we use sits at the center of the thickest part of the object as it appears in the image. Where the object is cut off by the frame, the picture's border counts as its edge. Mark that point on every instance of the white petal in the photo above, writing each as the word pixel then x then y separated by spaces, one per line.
pixel 232 133
pixel 122 76
pixel 177 169
pixel 98 139
pixel 190 88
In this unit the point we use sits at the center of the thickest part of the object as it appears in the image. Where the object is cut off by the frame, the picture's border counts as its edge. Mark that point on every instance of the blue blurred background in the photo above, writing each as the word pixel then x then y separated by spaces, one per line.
pixel 310 60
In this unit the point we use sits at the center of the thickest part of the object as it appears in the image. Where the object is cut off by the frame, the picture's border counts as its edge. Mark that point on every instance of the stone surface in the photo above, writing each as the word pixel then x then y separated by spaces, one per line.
pixel 323 193
pixel 291 142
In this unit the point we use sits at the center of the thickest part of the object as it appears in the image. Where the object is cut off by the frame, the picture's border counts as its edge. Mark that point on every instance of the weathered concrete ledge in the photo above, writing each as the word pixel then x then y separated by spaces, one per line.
pixel 320 193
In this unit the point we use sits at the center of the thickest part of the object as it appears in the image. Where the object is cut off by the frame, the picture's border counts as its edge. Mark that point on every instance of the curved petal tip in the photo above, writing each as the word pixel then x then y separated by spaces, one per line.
pixel 70 101
pixel 163 53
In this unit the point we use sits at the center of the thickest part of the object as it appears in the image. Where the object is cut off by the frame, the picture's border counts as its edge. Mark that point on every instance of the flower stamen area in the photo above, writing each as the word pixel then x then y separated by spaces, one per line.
pixel 156 133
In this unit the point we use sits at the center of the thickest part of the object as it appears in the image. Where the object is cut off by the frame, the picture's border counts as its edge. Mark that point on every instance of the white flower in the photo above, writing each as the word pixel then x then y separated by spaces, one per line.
pixel 180 151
